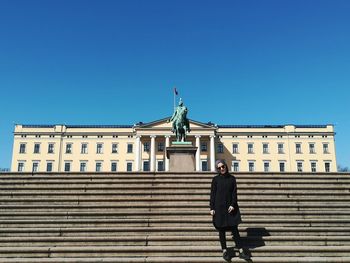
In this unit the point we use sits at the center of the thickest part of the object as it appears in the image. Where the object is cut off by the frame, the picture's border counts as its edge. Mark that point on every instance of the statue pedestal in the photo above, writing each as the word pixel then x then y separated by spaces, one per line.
pixel 182 157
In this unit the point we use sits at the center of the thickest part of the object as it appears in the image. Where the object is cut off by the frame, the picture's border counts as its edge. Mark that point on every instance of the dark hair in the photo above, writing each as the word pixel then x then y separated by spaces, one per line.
pixel 220 161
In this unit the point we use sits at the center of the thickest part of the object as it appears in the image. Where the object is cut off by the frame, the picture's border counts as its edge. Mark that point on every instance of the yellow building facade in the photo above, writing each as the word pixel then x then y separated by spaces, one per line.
pixel 142 147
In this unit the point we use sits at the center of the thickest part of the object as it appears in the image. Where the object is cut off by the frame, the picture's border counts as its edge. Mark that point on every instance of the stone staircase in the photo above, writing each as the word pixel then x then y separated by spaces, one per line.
pixel 164 217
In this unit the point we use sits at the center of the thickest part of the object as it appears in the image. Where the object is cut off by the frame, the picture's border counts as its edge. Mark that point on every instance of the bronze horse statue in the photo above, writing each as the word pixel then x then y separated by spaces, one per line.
pixel 181 124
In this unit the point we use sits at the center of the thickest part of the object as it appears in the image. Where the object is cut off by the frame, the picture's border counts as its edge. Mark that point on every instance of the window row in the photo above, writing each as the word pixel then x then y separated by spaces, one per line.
pixel 282 166
pixel 280 148
pixel 69 148
pixel 83 166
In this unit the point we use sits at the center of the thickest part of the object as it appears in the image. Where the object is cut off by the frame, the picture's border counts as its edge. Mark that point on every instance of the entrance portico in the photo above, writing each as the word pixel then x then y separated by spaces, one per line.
pixel 151 140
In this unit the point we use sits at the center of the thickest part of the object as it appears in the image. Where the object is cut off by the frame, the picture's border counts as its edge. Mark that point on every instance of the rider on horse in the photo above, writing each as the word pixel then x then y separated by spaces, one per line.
pixel 181 124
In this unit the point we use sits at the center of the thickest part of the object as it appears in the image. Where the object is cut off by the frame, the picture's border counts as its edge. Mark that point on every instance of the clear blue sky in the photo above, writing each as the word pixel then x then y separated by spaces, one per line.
pixel 233 62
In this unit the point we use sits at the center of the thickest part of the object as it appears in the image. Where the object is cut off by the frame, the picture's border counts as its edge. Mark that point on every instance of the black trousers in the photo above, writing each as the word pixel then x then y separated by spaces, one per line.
pixel 235 236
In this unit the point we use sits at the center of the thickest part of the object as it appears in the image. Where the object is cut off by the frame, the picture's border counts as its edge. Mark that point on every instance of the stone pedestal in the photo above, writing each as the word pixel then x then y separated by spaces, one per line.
pixel 182 157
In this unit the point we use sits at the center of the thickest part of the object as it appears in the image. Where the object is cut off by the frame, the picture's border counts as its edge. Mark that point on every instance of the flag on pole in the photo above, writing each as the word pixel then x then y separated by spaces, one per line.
pixel 175 91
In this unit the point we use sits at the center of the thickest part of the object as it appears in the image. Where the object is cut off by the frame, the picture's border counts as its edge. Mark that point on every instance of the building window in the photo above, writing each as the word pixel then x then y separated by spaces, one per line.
pixel 251 166
pixel 146 166
pixel 235 148
pixel 35 167
pixel 22 148
pixel 266 166
pixel 129 166
pixel 37 148
pixel 280 148
pixel 20 167
pixel 282 167
pixel 312 148
pixel 298 148
pixel 67 166
pixel 146 146
pixel 49 167
pixel 83 167
pixel 99 148
pixel 220 148
pixel 205 165
pixel 160 165
pixel 114 148
pixel 114 166
pixel 299 166
pixel 265 148
pixel 98 167
pixel 50 148
pixel 84 148
pixel 325 148
pixel 327 167
pixel 204 147
pixel 129 148
pixel 235 166
pixel 313 167
pixel 250 148
pixel 68 148
pixel 160 147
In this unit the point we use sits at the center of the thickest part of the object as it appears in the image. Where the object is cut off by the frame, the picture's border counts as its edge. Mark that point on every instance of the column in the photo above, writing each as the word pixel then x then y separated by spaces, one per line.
pixel 153 153
pixel 138 153
pixel 167 144
pixel 198 153
pixel 212 153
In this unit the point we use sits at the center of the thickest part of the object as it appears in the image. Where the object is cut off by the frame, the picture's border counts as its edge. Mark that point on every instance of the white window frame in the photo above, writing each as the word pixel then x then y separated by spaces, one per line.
pixel 53 148
pixel 71 148
pixel 280 149
pixel 268 167
pixel 115 148
pixel 84 150
pixel 235 150
pixel 129 162
pixel 116 166
pixel 101 166
pixel 99 148
pixel 23 166
pixel 83 166
pixel 249 162
pixel 313 162
pixel 233 166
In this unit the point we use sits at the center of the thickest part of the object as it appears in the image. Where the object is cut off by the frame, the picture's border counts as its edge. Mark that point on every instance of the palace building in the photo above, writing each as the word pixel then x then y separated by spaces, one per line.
pixel 142 147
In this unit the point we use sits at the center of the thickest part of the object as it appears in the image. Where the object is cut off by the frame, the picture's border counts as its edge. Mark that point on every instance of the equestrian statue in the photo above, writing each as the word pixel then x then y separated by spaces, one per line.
pixel 181 125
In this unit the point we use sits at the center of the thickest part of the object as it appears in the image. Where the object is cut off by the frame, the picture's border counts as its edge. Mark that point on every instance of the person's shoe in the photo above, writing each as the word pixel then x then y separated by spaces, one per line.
pixel 226 256
pixel 242 254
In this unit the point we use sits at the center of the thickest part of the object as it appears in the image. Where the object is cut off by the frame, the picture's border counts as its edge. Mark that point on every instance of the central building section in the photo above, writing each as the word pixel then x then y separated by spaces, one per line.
pixel 156 144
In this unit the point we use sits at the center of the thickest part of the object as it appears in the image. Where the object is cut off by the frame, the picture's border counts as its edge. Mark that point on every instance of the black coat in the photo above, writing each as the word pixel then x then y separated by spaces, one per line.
pixel 224 194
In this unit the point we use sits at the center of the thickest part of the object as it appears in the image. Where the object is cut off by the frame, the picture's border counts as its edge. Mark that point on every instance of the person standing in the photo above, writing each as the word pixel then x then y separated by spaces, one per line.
pixel 224 208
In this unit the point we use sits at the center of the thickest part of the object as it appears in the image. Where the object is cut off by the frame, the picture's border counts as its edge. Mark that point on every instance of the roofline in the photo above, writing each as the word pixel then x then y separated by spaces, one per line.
pixel 141 124
pixel 272 126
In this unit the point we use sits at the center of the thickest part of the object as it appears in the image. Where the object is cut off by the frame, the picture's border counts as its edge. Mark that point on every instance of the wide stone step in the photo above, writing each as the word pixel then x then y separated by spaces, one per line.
pixel 151 198
pixel 165 192
pixel 176 184
pixel 165 206
pixel 146 213
pixel 178 251
pixel 166 230
pixel 193 259
pixel 170 221
pixel 250 241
